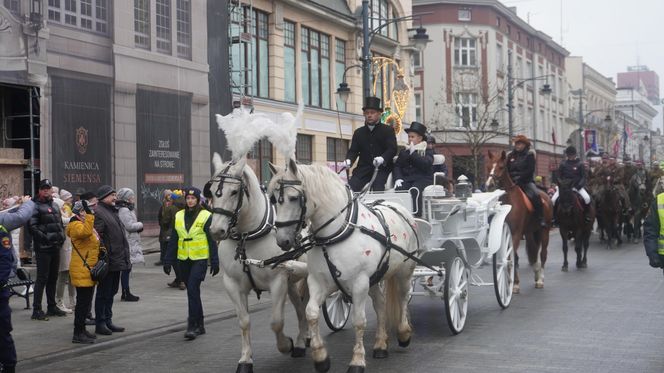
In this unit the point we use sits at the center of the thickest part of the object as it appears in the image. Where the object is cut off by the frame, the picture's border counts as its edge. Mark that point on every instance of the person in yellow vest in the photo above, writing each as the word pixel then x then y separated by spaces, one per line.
pixel 193 246
pixel 653 233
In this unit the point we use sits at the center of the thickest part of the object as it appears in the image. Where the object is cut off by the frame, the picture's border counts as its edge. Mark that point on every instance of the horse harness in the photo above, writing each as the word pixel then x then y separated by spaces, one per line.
pixel 345 231
pixel 241 237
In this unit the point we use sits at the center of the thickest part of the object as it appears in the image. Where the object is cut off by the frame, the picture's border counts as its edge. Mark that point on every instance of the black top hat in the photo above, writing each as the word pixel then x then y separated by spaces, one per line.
pixel 372 103
pixel 570 151
pixel 418 128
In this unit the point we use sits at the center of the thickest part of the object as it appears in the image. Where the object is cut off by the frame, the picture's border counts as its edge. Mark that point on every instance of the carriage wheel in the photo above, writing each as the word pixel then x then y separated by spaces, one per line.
pixel 456 295
pixel 503 269
pixel 336 311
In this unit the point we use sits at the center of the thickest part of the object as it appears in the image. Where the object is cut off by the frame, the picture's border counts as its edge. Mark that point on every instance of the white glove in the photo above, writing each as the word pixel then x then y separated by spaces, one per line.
pixel 411 147
pixel 378 161
pixel 348 163
pixel 398 183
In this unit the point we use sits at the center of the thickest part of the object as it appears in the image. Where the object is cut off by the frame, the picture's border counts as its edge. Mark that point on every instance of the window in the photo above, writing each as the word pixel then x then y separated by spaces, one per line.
pixel 528 74
pixel 304 149
pixel 464 14
pixel 418 107
pixel 250 60
pixel 142 24
pixel 315 68
pixel 184 28
pixel 519 66
pixel 499 57
pixel 379 16
pixel 289 61
pixel 464 52
pixel 336 149
pixel 259 159
pixel 163 23
pixel 14 6
pixel 90 15
pixel 509 30
pixel 466 109
pixel 416 59
pixel 498 22
pixel 339 68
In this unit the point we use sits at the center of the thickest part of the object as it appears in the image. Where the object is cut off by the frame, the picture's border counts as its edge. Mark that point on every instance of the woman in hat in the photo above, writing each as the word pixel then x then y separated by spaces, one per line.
pixel 133 229
pixel 414 166
pixel 521 167
pixel 193 246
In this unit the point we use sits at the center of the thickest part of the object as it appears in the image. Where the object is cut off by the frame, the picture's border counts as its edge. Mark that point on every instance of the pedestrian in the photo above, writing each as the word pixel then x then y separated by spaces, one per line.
pixel 413 168
pixel 193 246
pixel 165 217
pixel 9 221
pixel 91 199
pixel 178 203
pixel 65 256
pixel 12 204
pixel 85 242
pixel 48 234
pixel 109 228
pixel 132 229
pixel 375 144
pixel 653 232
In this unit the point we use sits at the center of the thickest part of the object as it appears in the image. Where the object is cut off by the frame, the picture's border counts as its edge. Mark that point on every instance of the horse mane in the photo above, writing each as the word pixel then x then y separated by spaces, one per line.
pixel 328 185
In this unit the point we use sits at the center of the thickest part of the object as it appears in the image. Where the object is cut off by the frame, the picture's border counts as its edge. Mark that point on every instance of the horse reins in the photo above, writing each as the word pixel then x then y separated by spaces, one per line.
pixel 221 178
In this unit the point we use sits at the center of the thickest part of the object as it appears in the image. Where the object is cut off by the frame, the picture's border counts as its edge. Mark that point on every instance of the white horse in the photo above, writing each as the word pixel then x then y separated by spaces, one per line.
pixel 316 195
pixel 242 219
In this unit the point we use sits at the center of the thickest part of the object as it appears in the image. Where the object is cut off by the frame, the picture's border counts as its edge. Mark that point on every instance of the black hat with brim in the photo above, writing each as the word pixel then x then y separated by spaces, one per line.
pixel 570 151
pixel 372 103
pixel 418 128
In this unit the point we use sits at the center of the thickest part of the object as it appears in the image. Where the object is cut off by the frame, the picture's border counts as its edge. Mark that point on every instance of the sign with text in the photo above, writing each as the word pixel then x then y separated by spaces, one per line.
pixel 81 134
pixel 163 147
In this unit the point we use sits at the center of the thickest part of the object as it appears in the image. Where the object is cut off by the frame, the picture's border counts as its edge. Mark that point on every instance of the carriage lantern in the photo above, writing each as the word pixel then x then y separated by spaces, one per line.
pixel 463 188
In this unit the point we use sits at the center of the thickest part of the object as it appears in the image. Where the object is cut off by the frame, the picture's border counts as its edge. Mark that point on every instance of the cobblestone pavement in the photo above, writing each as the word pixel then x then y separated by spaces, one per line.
pixel 606 318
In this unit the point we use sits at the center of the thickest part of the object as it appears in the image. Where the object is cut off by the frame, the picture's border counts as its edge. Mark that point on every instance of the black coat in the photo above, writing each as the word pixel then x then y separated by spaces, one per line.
pixel 651 226
pixel 574 172
pixel 414 167
pixel 367 144
pixel 46 227
pixel 111 233
pixel 521 166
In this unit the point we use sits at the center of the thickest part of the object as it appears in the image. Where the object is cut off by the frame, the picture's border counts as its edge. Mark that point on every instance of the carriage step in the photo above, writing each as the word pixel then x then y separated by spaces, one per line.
pixel 422 271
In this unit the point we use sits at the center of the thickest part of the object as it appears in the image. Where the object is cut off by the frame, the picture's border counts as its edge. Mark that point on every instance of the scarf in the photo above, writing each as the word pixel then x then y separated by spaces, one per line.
pixel 420 148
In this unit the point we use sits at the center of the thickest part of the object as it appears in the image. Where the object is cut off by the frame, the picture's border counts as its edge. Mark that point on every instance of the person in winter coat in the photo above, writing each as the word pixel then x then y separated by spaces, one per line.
pixel 572 170
pixel 48 234
pixel 177 204
pixel 521 167
pixel 64 202
pixel 85 242
pixel 112 236
pixel 133 229
pixel 375 144
pixel 11 205
pixel 9 221
pixel 653 234
pixel 165 225
pixel 193 246
pixel 413 167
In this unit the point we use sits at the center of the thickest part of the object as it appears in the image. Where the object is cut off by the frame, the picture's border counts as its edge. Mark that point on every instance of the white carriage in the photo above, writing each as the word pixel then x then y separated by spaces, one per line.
pixel 465 234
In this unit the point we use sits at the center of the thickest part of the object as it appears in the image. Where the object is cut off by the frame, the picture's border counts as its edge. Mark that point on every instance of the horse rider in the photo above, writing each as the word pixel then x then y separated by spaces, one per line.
pixel 414 165
pixel 192 245
pixel 375 144
pixel 653 232
pixel 572 170
pixel 521 167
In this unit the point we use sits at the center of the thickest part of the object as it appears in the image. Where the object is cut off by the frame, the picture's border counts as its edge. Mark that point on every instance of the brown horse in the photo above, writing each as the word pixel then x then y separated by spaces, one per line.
pixel 569 214
pixel 520 219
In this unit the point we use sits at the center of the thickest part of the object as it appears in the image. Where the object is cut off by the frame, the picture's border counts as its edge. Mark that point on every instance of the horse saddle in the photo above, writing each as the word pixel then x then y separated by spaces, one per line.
pixel 526 201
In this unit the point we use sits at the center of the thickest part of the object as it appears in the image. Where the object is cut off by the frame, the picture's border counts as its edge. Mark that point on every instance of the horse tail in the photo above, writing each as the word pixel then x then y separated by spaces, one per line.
pixel 393 298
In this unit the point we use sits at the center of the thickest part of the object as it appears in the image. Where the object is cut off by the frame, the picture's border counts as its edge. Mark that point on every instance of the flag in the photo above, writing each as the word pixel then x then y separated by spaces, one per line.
pixel 616 147
pixel 627 132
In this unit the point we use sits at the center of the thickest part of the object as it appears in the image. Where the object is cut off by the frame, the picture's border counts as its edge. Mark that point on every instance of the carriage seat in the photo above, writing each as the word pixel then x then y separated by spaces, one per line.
pixel 438 159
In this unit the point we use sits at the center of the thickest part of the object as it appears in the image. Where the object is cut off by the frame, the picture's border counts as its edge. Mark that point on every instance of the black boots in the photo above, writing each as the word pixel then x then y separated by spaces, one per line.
pixel 103 330
pixel 114 328
pixel 127 296
pixel 82 336
pixel 195 327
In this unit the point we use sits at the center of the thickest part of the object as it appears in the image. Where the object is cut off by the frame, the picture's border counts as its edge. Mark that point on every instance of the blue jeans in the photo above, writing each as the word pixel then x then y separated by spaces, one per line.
pixel 106 290
pixel 124 279
pixel 193 273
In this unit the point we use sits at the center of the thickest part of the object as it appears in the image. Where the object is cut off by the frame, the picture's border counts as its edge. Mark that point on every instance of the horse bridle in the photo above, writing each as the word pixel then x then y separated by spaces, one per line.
pixel 222 177
pixel 302 198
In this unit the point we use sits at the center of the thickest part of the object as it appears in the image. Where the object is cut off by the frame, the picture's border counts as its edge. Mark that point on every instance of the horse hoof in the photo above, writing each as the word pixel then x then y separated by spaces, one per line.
pixel 245 368
pixel 378 354
pixel 564 269
pixel 292 347
pixel 403 343
pixel 298 352
pixel 539 285
pixel 355 369
pixel 322 366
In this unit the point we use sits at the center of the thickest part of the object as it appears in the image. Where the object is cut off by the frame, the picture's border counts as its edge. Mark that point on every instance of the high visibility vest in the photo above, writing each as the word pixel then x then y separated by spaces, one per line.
pixel 660 212
pixel 192 244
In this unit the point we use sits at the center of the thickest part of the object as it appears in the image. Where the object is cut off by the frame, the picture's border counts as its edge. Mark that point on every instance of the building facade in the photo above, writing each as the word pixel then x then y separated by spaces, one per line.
pixel 464 81
pixel 120 93
pixel 640 74
pixel 635 114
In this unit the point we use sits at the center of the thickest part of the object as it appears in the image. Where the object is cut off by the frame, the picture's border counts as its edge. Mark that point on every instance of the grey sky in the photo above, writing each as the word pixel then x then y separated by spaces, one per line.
pixel 609 34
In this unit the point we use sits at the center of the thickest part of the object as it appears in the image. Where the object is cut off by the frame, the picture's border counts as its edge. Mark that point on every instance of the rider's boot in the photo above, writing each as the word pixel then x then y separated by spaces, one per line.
pixel 586 213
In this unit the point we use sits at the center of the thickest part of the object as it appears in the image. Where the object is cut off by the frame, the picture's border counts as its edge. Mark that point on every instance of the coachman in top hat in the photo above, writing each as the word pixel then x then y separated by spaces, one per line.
pixel 375 144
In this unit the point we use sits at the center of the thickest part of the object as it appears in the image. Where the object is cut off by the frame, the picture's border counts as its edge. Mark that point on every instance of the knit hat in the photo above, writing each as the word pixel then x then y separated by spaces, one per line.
pixel 45 184
pixel 104 191
pixel 65 195
pixel 124 194
pixel 87 196
pixel 78 207
pixel 570 151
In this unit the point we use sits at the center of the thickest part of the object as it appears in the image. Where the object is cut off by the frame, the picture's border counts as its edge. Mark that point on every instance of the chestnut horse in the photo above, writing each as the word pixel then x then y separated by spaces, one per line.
pixel 569 214
pixel 520 219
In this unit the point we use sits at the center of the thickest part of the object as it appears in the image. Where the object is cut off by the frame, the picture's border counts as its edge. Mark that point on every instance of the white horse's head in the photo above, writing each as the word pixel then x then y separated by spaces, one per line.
pixel 226 191
pixel 287 194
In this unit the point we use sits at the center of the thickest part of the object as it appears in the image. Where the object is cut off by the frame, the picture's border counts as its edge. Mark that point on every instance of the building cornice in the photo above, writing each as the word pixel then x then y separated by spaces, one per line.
pixel 323 12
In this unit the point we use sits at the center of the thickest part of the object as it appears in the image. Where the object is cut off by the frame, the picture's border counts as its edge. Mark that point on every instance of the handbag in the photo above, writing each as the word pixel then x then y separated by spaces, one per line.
pixel 100 269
